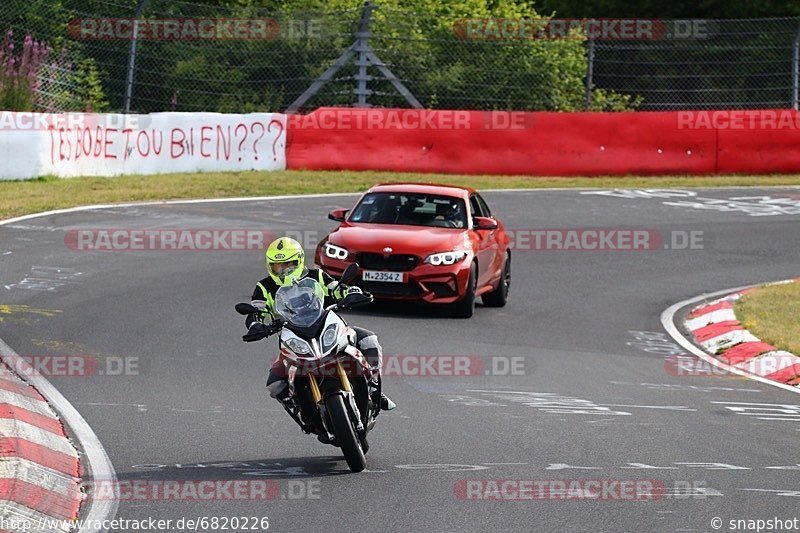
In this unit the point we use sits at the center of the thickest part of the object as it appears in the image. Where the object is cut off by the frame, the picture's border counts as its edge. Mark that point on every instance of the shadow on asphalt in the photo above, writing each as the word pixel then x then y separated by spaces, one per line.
pixel 403 310
pixel 266 468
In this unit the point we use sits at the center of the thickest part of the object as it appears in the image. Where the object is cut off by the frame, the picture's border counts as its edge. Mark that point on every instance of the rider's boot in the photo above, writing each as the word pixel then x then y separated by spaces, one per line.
pixel 381 399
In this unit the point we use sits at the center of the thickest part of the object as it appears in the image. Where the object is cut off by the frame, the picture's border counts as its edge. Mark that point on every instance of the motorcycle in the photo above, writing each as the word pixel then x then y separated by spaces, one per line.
pixel 316 346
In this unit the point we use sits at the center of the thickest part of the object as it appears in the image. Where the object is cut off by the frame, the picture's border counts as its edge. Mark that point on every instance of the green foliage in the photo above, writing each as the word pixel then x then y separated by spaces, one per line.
pixel 418 39
pixel 603 100
pixel 69 87
pixel 426 46
pixel 670 9
pixel 15 95
pixel 88 93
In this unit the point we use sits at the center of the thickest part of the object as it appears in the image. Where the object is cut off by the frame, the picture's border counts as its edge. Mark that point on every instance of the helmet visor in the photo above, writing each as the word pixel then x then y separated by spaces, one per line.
pixel 282 269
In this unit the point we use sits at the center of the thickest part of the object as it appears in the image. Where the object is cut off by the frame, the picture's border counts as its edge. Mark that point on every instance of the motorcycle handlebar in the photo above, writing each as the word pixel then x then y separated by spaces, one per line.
pixel 353 300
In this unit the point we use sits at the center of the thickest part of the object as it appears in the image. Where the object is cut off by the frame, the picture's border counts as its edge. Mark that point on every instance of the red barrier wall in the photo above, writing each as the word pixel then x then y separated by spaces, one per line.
pixel 545 144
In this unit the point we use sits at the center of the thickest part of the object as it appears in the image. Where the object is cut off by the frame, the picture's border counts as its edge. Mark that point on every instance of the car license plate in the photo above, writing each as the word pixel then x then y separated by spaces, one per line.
pixel 375 275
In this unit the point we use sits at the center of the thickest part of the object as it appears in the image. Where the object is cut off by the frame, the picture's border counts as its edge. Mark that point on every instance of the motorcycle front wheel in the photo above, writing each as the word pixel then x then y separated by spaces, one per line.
pixel 345 435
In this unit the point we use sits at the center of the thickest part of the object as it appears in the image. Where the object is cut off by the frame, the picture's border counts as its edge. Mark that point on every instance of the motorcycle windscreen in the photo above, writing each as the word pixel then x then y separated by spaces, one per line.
pixel 301 303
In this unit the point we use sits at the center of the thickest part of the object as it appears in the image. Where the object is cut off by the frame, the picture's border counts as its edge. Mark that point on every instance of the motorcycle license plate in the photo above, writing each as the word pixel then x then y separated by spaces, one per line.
pixel 376 275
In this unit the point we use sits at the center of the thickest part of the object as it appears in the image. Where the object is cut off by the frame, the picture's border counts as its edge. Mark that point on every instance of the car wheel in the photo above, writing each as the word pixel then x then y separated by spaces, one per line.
pixel 466 307
pixel 499 296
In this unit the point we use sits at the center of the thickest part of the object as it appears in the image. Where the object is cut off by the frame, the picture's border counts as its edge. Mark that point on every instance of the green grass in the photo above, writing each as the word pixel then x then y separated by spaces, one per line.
pixel 31 196
pixel 772 314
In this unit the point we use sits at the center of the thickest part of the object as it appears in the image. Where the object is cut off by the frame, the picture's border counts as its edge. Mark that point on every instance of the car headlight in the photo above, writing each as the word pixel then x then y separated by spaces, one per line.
pixel 329 337
pixel 335 252
pixel 445 258
pixel 298 346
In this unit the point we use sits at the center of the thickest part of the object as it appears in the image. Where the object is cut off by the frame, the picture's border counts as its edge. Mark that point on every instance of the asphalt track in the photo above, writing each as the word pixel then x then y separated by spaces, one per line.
pixel 591 403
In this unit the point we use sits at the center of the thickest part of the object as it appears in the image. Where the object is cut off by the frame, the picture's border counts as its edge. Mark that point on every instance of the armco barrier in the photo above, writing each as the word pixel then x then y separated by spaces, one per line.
pixel 557 144
pixel 82 144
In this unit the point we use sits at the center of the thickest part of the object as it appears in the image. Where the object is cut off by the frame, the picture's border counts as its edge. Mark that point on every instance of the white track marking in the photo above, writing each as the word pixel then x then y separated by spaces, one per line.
pixel 665 407
pixel 168 202
pixel 304 196
pixel 668 321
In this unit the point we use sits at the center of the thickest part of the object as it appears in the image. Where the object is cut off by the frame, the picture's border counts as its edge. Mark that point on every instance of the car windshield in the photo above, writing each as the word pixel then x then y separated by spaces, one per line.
pixel 302 303
pixel 414 209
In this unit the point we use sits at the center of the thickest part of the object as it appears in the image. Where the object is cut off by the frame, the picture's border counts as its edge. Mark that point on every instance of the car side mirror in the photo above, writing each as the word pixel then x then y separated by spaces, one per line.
pixel 338 214
pixel 484 223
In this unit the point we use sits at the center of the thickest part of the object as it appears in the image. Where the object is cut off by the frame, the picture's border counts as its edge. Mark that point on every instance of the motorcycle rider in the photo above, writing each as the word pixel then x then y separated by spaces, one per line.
pixel 285 262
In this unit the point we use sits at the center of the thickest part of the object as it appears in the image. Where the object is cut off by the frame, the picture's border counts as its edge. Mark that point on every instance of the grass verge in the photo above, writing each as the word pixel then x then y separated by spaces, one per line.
pixel 31 196
pixel 772 314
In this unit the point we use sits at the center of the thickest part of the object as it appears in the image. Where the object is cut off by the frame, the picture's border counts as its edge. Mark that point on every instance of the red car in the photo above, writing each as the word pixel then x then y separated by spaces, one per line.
pixel 432 243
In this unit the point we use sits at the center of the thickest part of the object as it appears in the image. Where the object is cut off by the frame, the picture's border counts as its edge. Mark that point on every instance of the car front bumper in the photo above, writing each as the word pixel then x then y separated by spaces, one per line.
pixel 443 284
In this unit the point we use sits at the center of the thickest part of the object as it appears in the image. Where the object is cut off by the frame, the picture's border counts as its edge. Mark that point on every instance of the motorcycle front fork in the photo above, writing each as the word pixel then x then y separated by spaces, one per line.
pixel 315 392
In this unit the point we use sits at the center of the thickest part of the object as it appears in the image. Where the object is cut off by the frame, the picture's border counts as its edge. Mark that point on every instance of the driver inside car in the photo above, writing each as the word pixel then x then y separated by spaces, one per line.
pixel 285 262
pixel 450 214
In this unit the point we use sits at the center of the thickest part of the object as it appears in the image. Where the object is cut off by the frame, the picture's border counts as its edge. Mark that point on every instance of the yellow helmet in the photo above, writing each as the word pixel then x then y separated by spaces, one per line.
pixel 285 260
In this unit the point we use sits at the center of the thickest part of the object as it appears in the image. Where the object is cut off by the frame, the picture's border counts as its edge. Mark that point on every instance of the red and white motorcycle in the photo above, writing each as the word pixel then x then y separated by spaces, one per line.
pixel 332 387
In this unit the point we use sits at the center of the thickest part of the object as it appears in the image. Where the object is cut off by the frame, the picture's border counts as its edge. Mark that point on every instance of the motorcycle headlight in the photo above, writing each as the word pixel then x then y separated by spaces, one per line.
pixel 335 252
pixel 445 258
pixel 298 346
pixel 329 337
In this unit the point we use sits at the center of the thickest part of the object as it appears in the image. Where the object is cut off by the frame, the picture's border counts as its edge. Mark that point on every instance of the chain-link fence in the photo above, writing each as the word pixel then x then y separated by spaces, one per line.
pixel 82 54
pixel 700 64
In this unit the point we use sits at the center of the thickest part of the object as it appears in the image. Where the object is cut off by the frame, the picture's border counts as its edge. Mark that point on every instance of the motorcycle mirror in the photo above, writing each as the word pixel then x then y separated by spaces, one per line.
pixel 245 309
pixel 349 273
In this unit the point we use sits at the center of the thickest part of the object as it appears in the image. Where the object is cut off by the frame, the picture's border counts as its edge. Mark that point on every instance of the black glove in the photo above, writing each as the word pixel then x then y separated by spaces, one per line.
pixel 257 332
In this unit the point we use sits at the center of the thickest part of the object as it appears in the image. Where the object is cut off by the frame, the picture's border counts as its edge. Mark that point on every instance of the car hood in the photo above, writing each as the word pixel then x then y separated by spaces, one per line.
pixel 419 240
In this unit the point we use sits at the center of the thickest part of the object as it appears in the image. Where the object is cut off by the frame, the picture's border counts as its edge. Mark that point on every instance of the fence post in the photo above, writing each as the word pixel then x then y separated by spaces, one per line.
pixel 589 72
pixel 126 107
pixel 795 67
pixel 362 60
pixel 365 58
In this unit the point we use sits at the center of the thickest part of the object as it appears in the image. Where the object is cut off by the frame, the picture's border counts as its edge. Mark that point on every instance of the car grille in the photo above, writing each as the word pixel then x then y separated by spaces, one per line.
pixel 391 289
pixel 394 262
